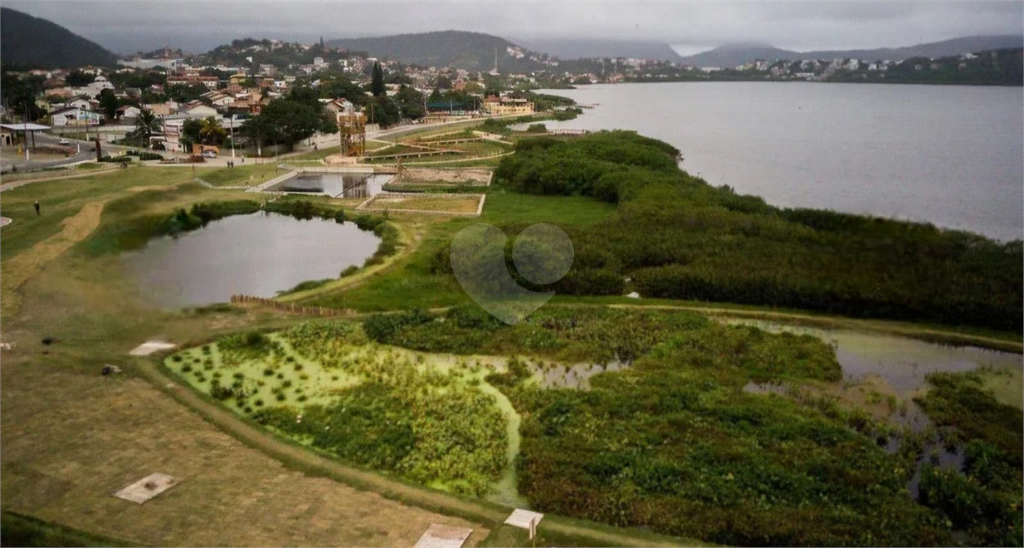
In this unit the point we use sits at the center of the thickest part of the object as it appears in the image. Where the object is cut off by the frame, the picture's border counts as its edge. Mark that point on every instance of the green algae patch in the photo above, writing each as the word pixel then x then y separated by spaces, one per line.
pixel 429 418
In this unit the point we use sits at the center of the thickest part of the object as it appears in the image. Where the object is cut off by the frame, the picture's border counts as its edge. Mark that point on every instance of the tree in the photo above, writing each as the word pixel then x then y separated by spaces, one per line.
pixel 383 111
pixel 377 82
pixel 77 79
pixel 145 126
pixel 20 94
pixel 305 95
pixel 183 94
pixel 443 82
pixel 337 87
pixel 283 121
pixel 191 133
pixel 411 102
pixel 211 132
pixel 109 103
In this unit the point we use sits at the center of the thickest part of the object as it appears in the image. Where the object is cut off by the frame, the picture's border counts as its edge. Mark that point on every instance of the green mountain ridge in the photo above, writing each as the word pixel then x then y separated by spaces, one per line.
pixel 731 55
pixel 465 50
pixel 31 42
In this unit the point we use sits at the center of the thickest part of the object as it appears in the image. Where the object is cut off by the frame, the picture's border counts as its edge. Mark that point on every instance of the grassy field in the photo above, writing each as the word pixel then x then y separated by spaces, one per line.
pixel 240 175
pixel 79 296
pixel 61 418
pixel 483 148
pixel 427 202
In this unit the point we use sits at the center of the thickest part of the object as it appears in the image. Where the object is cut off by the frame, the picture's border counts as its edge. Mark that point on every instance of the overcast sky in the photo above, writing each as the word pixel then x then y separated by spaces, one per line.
pixel 691 26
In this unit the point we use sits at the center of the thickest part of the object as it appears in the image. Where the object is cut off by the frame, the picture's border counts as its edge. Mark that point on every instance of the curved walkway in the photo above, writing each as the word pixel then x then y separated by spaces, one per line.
pixel 16 184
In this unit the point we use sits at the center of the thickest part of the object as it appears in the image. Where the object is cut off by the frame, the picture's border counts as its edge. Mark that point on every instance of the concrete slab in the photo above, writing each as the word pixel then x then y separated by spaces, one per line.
pixel 521 518
pixel 443 536
pixel 149 347
pixel 147 488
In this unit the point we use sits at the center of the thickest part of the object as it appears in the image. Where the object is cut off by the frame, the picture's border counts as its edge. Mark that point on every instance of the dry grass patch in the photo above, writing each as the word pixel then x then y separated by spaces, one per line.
pixel 426 202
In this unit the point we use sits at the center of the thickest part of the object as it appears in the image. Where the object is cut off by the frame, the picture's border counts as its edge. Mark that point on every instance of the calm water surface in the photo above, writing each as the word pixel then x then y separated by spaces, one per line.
pixel 257 254
pixel 948 155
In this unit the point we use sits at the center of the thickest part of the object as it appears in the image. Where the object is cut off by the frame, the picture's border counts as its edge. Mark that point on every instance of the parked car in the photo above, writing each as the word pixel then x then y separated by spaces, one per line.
pixel 209 154
pixel 63 142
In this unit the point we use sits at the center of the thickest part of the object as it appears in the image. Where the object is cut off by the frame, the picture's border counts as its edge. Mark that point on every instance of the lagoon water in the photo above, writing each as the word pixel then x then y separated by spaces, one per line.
pixel 948 155
pixel 257 254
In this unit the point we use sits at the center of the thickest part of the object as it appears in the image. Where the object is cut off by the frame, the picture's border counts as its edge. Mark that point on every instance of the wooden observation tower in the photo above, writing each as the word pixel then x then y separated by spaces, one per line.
pixel 352 129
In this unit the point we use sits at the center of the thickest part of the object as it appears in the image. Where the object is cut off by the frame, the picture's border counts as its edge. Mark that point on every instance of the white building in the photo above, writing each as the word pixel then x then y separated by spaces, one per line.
pixel 73 115
pixel 172 134
pixel 198 111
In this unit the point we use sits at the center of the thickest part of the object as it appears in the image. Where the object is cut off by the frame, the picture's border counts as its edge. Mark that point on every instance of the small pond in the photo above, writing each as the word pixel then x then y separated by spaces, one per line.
pixel 900 363
pixel 335 185
pixel 257 254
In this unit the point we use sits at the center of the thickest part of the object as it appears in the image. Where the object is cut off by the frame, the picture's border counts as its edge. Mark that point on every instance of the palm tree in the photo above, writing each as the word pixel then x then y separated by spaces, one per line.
pixel 146 125
pixel 212 133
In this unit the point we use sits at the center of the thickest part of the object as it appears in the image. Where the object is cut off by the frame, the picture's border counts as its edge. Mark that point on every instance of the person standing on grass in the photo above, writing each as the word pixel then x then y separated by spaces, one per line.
pixel 37 207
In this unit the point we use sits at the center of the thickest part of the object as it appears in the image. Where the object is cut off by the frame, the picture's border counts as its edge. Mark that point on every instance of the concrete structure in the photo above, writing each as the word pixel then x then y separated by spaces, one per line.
pixel 496 106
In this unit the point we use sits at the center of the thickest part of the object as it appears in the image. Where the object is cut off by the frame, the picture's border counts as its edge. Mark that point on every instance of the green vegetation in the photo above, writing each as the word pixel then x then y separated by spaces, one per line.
pixel 239 175
pixel 674 443
pixel 679 238
pixel 426 421
pixel 32 42
pixel 985 498
pixel 1004 67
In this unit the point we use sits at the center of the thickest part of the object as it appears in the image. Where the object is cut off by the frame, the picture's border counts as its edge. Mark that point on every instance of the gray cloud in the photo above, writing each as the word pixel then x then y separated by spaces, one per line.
pixel 801 25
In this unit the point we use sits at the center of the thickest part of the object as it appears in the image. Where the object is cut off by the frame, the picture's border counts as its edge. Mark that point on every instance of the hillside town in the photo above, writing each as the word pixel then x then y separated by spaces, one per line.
pixel 149 100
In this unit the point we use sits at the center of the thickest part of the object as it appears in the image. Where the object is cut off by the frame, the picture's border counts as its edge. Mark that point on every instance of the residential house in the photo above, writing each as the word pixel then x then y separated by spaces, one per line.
pixel 195 109
pixel 161 110
pixel 221 100
pixel 339 106
pixel 127 112
pixel 172 128
pixel 74 116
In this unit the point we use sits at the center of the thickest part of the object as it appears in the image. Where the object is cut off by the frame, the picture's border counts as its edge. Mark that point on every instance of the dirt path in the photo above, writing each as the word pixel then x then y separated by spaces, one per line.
pixel 310 461
pixel 23 266
pixel 16 184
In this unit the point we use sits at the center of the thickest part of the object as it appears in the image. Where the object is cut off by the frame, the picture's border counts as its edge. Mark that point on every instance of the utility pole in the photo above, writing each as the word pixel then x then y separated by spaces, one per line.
pixel 25 131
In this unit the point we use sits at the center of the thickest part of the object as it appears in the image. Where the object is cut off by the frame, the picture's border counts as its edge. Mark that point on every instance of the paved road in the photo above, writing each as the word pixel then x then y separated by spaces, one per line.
pixel 84 151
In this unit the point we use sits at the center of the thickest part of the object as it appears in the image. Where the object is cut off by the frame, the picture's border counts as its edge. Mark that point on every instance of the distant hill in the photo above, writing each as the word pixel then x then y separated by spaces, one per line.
pixel 31 42
pixel 465 50
pixel 732 55
pixel 590 48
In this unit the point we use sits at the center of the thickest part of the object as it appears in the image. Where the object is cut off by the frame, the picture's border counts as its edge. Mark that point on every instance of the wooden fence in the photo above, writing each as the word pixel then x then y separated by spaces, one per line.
pixel 290 307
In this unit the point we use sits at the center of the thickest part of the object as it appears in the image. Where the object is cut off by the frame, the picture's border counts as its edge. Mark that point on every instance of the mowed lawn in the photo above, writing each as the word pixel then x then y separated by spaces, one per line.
pixel 419 279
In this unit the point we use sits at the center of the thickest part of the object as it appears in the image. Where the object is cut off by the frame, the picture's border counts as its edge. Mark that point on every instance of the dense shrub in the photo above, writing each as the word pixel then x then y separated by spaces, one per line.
pixel 680 238
pixel 211 211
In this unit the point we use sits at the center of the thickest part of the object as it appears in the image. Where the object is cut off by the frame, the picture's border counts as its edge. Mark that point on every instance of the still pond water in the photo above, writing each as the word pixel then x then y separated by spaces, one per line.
pixel 257 254
pixel 949 155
